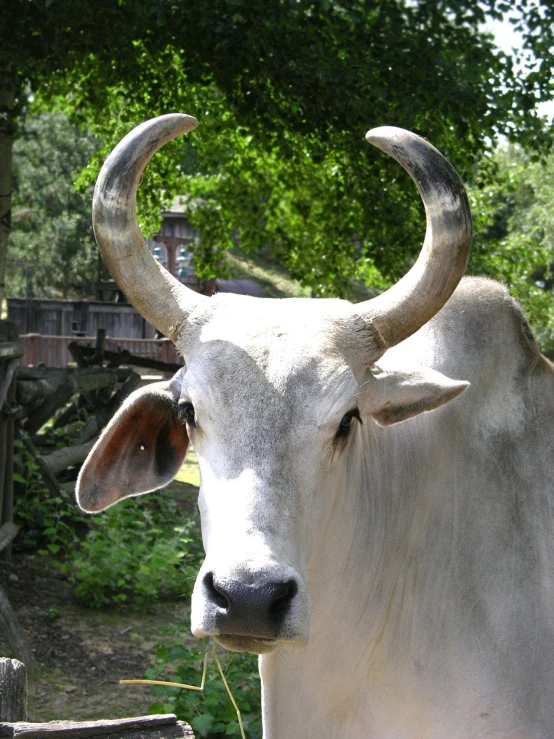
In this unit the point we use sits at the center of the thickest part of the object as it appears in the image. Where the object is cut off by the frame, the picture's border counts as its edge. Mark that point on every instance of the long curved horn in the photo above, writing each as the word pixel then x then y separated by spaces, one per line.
pixel 414 300
pixel 154 292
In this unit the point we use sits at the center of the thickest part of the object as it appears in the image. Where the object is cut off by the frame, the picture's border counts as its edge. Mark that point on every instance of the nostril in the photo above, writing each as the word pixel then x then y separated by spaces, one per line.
pixel 283 595
pixel 216 595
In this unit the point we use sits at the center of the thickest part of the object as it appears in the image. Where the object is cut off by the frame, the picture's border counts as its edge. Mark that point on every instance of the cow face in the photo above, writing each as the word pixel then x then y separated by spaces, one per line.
pixel 272 397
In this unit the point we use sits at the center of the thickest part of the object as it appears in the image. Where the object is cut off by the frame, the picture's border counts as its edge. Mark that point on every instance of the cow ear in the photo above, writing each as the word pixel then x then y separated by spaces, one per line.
pixel 141 450
pixel 395 395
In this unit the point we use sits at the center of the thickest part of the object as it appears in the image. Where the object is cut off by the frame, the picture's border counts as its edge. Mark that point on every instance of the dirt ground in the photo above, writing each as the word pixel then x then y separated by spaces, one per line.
pixel 83 653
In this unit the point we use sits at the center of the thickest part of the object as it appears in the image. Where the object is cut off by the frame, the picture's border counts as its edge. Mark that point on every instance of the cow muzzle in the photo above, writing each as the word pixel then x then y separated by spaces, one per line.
pixel 251 611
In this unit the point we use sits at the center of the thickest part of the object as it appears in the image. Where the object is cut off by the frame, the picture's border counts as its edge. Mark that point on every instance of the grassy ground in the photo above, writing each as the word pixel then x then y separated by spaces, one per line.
pixel 82 653
pixel 273 278
pixel 189 471
pixel 276 281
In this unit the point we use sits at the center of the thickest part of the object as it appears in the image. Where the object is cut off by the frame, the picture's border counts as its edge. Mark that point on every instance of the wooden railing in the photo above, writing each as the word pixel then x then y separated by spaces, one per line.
pixel 32 395
pixel 11 351
pixel 13 715
pixel 53 351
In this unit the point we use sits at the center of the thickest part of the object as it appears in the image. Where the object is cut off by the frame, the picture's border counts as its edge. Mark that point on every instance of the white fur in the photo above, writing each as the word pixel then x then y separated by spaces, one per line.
pixel 423 550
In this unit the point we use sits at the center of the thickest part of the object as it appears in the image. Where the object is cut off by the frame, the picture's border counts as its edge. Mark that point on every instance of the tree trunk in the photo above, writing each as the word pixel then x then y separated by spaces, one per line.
pixel 7 97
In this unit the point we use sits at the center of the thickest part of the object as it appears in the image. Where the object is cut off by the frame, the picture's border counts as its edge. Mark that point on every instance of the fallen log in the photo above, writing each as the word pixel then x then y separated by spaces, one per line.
pixel 70 456
pixel 11 350
pixel 46 373
pixel 11 354
pixel 48 407
pixel 31 389
pixel 8 532
pixel 97 422
pixel 6 381
pixel 71 413
pixel 91 399
pixel 133 359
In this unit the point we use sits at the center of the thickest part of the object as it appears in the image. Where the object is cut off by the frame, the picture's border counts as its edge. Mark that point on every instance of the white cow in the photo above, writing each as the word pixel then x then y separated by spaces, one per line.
pixel 396 578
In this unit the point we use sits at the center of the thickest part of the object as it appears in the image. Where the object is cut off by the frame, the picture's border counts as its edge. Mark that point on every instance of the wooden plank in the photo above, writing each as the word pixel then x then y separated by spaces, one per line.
pixel 120 358
pixel 100 347
pixel 8 532
pixel 48 407
pixel 71 413
pixel 9 372
pixel 8 435
pixel 40 373
pixel 11 350
pixel 135 360
pixel 48 380
pixel 13 690
pixel 9 334
pixel 96 423
pixel 150 727
pixel 76 351
pixel 61 459
pixel 4 438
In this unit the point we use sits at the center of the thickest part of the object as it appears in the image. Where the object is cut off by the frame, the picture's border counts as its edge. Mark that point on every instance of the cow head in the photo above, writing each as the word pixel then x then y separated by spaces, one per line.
pixel 272 396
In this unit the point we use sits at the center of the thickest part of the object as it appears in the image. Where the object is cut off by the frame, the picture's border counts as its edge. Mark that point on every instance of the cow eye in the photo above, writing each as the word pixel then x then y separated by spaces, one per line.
pixel 187 414
pixel 346 423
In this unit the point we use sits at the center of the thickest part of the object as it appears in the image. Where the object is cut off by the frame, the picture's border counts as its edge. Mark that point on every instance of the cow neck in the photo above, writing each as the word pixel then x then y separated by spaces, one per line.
pixel 352 571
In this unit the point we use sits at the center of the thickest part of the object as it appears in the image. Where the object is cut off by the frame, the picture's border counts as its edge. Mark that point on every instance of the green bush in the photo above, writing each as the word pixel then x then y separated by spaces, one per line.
pixel 48 525
pixel 210 713
pixel 138 551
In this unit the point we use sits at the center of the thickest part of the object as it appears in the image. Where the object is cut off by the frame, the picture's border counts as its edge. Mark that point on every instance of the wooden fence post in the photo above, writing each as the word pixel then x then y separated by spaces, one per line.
pixel 13 690
pixel 10 356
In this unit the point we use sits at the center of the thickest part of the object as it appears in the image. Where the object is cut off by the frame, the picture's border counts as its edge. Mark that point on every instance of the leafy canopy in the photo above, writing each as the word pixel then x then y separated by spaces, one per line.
pixel 51 229
pixel 284 93
pixel 514 234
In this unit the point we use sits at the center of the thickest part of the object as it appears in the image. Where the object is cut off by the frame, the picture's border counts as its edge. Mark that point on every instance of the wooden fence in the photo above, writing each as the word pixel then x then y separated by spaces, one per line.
pixel 13 714
pixel 13 681
pixel 100 380
pixel 53 351
pixel 11 352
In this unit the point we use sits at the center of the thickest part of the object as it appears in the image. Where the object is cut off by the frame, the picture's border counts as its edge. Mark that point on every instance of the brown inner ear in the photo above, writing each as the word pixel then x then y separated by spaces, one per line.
pixel 141 450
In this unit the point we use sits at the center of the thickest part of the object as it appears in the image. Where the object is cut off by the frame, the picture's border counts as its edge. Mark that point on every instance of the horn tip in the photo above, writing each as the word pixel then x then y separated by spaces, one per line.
pixel 168 126
pixel 382 134
pixel 181 121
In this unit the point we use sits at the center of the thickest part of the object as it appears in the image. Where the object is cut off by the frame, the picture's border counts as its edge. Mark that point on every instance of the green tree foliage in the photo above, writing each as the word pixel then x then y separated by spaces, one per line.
pixel 284 92
pixel 41 41
pixel 51 229
pixel 514 234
